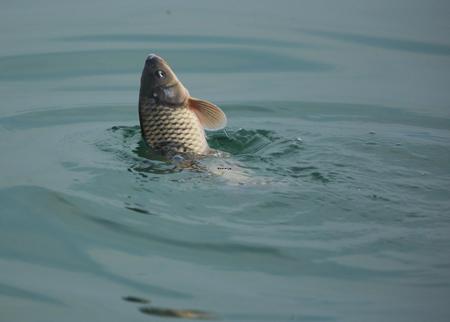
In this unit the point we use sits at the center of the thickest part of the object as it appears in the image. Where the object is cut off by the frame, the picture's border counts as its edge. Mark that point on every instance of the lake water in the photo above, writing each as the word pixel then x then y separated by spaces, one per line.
pixel 338 116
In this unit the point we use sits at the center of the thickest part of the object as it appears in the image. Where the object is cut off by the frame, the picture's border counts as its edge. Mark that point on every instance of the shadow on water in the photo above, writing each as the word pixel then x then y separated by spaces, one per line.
pixel 382 42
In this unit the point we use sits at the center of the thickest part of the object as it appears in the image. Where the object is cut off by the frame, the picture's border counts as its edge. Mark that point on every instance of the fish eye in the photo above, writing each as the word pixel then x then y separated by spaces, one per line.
pixel 160 74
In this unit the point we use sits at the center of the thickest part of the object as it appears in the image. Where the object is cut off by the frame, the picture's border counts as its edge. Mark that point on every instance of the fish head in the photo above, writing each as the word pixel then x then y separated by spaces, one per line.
pixel 160 85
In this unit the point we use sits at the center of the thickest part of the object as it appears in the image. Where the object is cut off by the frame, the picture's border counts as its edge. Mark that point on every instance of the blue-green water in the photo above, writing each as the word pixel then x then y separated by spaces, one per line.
pixel 338 111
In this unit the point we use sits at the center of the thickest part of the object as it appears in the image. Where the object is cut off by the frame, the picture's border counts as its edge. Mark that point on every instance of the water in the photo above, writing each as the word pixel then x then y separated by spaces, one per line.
pixel 338 112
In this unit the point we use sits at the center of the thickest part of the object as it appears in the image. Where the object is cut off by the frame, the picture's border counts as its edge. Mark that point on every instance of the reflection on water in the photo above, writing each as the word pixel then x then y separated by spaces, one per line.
pixel 173 313
pixel 168 312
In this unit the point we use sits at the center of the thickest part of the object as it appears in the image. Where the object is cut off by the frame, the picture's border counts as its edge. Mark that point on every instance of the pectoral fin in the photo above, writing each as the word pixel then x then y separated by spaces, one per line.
pixel 211 117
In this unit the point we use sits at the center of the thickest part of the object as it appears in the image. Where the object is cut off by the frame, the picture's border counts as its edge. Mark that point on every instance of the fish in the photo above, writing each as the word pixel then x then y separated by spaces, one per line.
pixel 171 120
pixel 173 123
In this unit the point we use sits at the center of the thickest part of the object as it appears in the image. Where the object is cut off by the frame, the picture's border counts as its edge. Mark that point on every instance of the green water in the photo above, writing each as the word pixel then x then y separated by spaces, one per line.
pixel 338 116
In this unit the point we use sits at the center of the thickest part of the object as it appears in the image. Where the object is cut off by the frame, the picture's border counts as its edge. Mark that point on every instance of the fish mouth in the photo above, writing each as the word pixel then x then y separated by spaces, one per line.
pixel 153 58
pixel 154 61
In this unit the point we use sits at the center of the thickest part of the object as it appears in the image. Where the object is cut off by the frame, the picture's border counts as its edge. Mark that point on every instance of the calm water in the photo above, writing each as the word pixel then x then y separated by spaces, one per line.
pixel 338 114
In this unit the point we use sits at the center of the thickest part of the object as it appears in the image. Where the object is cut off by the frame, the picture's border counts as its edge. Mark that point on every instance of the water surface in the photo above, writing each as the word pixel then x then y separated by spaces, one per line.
pixel 338 120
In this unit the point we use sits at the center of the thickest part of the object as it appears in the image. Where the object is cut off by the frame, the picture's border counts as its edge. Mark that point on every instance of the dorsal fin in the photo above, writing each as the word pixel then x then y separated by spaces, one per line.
pixel 211 117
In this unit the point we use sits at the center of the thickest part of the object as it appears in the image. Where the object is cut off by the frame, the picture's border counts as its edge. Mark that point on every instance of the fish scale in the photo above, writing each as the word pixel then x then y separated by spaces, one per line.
pixel 173 128
pixel 171 120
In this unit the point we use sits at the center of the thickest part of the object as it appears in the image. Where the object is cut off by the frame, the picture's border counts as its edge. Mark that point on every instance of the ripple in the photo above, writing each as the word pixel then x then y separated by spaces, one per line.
pixel 241 141
pixel 20 293
pixel 258 150
pixel 384 42
pixel 122 61
pixel 187 39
